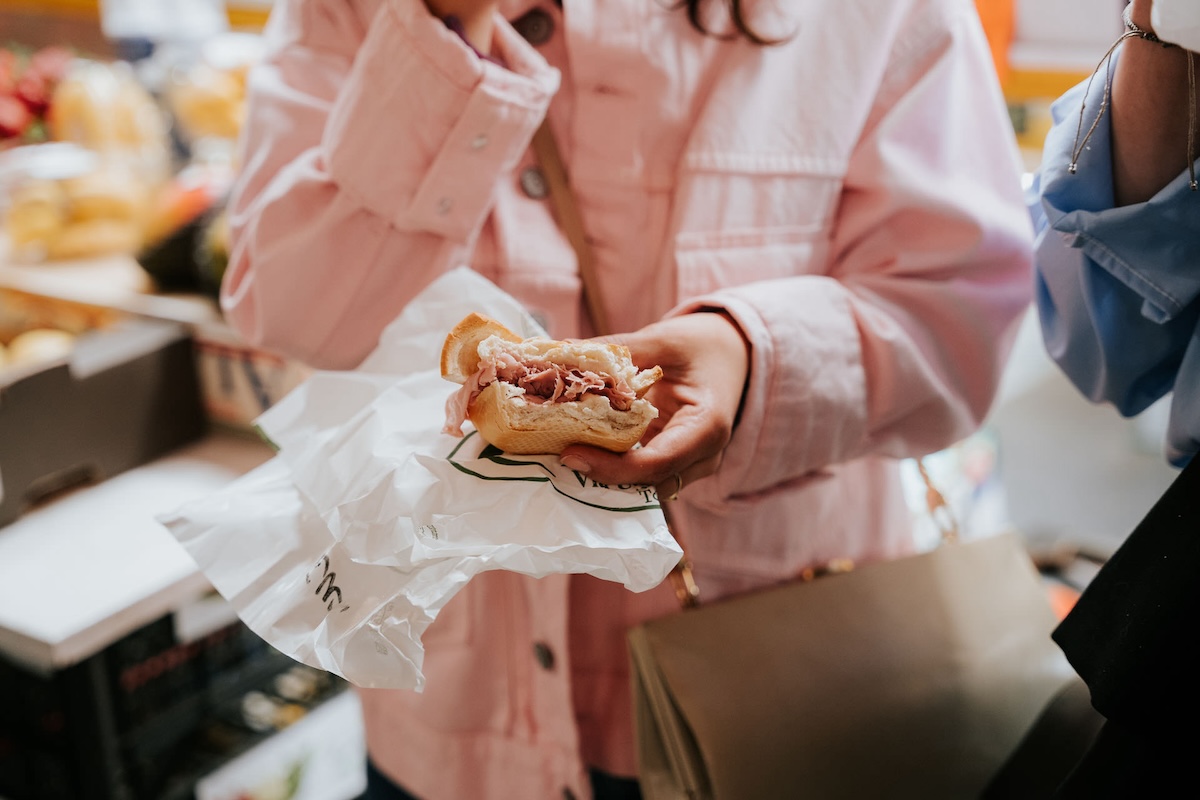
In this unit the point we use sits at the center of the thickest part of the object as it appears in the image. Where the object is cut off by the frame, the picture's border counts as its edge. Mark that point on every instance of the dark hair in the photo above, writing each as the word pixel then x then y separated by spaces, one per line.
pixel 736 16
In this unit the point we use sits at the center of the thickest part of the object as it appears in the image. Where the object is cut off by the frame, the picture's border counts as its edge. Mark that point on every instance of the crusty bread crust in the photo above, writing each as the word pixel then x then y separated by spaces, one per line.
pixel 460 351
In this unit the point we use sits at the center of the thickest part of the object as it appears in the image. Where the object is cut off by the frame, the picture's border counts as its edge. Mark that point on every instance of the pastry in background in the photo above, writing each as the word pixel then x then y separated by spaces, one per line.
pixel 39 344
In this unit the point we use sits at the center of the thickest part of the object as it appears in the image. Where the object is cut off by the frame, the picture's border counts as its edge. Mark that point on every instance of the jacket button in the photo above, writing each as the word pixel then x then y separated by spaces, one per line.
pixel 536 27
pixel 544 655
pixel 533 183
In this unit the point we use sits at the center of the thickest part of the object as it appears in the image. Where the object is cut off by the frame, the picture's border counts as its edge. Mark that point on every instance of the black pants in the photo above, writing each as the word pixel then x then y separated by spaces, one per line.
pixel 604 787
pixel 1131 731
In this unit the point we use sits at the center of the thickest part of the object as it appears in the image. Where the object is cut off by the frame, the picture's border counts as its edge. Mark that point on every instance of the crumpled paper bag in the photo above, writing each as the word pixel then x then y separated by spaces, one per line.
pixel 342 549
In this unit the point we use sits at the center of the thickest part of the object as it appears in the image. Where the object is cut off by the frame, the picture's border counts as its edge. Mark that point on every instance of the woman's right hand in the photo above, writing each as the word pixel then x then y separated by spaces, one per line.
pixel 475 16
pixel 705 360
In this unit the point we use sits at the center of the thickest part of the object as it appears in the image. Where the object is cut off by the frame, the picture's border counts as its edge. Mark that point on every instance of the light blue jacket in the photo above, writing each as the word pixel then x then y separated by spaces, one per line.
pixel 1117 288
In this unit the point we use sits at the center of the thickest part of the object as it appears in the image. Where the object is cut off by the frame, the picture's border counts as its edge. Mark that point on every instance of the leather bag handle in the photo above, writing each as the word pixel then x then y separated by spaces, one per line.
pixel 569 219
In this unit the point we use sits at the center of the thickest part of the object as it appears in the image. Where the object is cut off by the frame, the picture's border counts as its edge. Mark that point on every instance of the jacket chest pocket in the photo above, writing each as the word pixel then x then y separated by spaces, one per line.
pixel 736 229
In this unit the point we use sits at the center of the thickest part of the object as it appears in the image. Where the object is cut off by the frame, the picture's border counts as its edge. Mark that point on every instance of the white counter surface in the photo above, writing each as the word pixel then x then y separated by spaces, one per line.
pixel 93 565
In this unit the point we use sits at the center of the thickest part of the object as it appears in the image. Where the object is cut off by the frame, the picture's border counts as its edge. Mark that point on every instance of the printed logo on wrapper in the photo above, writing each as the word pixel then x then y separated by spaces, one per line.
pixel 475 457
pixel 328 582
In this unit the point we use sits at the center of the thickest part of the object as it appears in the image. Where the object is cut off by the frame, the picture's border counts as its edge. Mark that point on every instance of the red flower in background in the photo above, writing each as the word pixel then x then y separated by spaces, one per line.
pixel 27 82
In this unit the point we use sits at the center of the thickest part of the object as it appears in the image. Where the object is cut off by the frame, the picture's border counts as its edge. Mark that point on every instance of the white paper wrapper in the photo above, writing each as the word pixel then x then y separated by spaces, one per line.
pixel 342 549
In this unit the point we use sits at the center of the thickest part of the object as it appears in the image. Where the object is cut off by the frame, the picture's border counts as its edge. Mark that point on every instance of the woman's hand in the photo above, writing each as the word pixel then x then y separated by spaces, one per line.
pixel 475 16
pixel 705 361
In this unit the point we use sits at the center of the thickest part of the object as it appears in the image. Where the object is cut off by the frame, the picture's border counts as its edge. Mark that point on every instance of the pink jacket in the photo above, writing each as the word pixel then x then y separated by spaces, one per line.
pixel 851 197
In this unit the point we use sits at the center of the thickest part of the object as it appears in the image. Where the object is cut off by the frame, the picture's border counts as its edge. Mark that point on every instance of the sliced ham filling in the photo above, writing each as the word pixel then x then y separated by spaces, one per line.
pixel 541 381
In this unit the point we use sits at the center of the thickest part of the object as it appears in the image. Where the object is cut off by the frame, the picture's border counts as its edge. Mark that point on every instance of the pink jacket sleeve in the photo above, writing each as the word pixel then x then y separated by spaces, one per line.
pixel 354 136
pixel 899 349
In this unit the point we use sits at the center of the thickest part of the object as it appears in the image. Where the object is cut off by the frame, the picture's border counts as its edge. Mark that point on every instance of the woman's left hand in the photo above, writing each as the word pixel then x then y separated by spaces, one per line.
pixel 705 361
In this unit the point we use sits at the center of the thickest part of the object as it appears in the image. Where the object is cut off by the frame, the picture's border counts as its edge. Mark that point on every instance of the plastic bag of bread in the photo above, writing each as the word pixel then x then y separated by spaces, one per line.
pixel 63 202
pixel 209 102
pixel 101 106
pixel 207 97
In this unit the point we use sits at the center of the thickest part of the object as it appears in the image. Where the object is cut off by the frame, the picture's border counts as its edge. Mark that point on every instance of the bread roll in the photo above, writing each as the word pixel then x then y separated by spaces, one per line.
pixel 536 396
pixel 40 344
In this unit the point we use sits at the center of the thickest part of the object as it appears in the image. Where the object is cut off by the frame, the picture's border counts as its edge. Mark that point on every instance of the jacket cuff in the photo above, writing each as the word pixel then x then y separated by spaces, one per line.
pixel 805 378
pixel 1141 245
pixel 424 126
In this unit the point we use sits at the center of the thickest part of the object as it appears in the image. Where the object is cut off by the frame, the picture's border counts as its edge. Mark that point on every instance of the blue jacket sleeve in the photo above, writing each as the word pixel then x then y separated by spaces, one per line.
pixel 1117 288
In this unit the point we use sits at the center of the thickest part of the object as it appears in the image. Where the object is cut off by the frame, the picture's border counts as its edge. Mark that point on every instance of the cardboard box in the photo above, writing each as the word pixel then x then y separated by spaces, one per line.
pixel 126 393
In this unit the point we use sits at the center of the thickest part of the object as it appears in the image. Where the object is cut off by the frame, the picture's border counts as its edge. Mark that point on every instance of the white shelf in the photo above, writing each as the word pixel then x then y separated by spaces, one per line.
pixel 94 565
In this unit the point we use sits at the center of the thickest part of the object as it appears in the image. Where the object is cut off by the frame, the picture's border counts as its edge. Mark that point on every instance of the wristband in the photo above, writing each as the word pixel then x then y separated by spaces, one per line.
pixel 1131 29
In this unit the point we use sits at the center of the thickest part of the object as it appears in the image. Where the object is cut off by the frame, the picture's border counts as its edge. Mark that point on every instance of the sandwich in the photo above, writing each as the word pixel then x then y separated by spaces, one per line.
pixel 536 396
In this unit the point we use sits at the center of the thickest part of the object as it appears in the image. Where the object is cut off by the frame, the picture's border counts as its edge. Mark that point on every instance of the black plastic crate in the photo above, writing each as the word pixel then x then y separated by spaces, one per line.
pixel 129 722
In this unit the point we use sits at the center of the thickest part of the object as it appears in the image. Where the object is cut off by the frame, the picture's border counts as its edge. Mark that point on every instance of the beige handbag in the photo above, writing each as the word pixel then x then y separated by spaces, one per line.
pixel 908 678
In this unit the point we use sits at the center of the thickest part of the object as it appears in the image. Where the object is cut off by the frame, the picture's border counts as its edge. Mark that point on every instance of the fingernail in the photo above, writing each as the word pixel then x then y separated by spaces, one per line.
pixel 576 463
